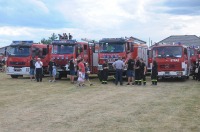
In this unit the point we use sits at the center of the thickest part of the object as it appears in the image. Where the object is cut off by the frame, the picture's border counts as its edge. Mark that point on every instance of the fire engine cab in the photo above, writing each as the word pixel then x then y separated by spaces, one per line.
pixel 173 60
pixel 21 52
pixel 112 48
pixel 66 49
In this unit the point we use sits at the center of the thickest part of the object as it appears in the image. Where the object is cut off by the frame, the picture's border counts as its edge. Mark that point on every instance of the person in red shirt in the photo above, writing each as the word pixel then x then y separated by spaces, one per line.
pixel 82 67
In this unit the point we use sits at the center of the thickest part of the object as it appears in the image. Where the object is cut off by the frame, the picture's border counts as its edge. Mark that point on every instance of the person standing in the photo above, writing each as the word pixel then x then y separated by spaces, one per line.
pixel 87 73
pixel 138 71
pixel 154 73
pixel 105 72
pixel 52 70
pixel 143 71
pixel 81 68
pixel 130 71
pixel 118 65
pixel 38 66
pixel 32 68
pixel 72 70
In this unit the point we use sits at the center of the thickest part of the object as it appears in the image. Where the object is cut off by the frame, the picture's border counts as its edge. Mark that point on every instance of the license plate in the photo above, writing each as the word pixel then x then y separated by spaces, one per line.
pixel 166 73
pixel 17 69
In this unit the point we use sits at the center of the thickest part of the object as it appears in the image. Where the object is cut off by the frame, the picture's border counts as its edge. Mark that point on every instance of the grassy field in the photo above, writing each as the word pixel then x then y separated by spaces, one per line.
pixel 27 106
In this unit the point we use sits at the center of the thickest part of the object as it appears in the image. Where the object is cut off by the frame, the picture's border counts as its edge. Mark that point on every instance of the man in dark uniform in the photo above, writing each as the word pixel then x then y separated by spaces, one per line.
pixel 137 71
pixel 154 73
pixel 105 72
pixel 143 71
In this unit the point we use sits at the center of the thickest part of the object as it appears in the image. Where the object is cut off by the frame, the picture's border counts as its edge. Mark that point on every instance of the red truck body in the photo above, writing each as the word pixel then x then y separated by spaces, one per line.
pixel 112 48
pixel 173 60
pixel 65 50
pixel 20 54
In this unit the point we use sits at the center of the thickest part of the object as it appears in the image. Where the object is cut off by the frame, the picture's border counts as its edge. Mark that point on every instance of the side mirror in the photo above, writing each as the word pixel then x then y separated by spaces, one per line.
pixel 81 49
pixel 132 48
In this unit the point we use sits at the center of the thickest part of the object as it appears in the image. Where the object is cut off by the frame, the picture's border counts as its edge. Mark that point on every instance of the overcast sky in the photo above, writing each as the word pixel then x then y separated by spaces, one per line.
pixel 96 19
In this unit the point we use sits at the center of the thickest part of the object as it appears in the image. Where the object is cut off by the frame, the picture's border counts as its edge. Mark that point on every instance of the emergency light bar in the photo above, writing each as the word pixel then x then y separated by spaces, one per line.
pixel 64 42
pixel 112 40
pixel 22 42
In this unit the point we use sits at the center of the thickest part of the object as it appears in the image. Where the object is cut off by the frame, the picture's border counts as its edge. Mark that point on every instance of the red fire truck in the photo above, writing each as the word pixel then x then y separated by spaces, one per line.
pixel 112 48
pixel 20 54
pixel 64 50
pixel 173 60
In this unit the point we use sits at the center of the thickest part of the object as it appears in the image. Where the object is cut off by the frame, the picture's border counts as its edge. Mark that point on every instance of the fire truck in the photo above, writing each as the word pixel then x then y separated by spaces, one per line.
pixel 112 48
pixel 173 60
pixel 64 50
pixel 21 52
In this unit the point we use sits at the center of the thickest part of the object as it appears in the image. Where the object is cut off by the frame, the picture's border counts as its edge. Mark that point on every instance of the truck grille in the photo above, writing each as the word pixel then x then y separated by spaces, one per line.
pixel 168 66
pixel 17 63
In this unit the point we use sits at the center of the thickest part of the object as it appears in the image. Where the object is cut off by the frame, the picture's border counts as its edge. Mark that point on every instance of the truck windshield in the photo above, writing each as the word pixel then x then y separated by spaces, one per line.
pixel 19 51
pixel 168 51
pixel 112 47
pixel 63 49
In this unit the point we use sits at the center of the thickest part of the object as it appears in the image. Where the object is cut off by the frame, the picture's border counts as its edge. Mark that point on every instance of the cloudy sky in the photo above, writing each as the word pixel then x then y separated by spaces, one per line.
pixel 96 19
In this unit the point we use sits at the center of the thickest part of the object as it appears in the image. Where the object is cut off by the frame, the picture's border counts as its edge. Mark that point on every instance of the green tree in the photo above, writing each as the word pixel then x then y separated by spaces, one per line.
pixel 50 39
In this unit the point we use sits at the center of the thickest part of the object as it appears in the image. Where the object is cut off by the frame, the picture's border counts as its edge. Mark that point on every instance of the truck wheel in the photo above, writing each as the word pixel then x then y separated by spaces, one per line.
pixel 14 76
pixel 100 75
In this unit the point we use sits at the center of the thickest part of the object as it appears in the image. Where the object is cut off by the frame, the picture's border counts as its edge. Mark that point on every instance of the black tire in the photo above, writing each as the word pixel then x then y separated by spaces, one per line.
pixel 14 76
pixel 100 75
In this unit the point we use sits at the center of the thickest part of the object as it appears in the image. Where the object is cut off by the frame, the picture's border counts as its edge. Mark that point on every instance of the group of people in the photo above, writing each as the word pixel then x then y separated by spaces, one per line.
pixel 75 66
pixel 82 69
pixel 136 71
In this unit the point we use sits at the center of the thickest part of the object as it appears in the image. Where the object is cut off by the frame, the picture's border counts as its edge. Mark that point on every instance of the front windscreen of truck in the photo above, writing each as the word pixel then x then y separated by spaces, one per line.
pixel 19 51
pixel 112 47
pixel 167 52
pixel 63 49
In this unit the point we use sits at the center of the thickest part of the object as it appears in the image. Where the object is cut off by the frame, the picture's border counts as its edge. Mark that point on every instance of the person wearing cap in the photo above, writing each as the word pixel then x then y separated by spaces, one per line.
pixel 38 66
pixel 118 65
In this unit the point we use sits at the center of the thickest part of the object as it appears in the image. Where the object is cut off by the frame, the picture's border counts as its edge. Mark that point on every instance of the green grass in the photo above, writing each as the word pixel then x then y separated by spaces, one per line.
pixel 61 106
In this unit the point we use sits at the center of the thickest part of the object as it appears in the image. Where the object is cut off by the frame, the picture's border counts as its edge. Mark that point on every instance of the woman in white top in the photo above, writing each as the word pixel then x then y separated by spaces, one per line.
pixel 38 67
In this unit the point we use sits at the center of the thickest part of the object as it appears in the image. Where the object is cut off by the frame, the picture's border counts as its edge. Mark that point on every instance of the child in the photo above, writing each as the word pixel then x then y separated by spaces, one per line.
pixel 54 74
pixel 87 72
pixel 80 78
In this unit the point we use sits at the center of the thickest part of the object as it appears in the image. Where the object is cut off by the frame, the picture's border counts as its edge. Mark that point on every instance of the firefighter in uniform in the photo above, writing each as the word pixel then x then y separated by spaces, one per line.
pixel 154 73
pixel 143 71
pixel 137 72
pixel 105 72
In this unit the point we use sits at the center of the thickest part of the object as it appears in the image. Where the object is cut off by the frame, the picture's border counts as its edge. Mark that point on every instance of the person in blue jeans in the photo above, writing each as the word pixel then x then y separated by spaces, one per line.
pixel 118 65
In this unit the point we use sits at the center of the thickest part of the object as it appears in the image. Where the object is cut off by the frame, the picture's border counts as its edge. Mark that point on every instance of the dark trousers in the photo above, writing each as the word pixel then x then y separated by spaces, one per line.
pixel 104 76
pixel 154 78
pixel 143 77
pixel 118 76
pixel 137 77
pixel 39 74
